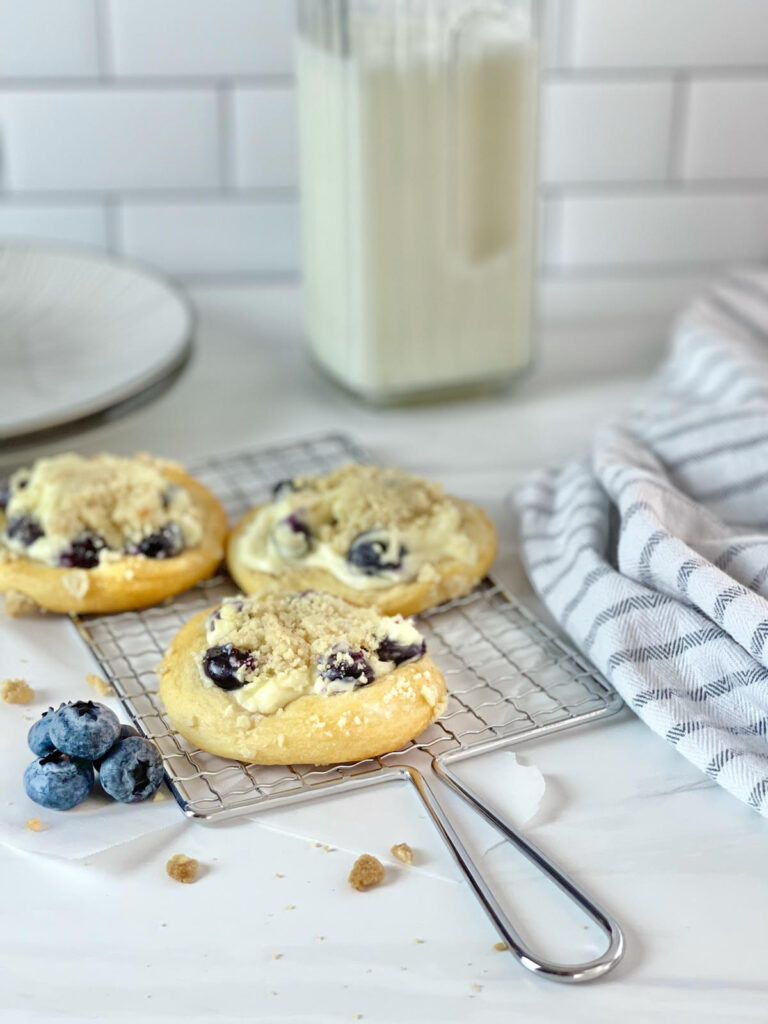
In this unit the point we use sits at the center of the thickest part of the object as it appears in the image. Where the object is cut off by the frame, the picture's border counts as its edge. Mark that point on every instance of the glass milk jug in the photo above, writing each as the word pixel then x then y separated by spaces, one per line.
pixel 418 139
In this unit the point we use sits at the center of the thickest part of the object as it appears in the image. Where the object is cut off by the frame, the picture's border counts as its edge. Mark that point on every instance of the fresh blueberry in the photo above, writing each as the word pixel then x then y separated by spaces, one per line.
pixel 24 529
pixel 125 732
pixel 221 664
pixel 84 729
pixel 166 543
pixel 5 494
pixel 292 536
pixel 368 553
pixel 58 781
pixel 282 489
pixel 38 738
pixel 83 552
pixel 132 770
pixel 391 650
pixel 348 666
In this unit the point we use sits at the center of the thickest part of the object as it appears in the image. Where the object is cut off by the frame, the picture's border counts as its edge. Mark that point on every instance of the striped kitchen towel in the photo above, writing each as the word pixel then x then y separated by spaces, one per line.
pixel 653 553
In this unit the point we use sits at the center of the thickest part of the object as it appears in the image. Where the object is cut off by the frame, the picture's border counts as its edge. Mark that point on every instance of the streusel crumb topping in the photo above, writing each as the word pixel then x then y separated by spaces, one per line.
pixel 114 501
pixel 271 648
pixel 367 871
pixel 16 691
pixel 368 526
pixel 290 630
pixel 357 497
pixel 182 868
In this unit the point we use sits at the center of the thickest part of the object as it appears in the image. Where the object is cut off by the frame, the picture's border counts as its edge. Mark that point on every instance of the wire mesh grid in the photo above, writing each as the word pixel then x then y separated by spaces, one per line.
pixel 506 673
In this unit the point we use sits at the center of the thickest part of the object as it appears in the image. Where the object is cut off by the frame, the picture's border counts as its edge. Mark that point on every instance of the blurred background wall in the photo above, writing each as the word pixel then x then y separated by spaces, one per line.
pixel 165 130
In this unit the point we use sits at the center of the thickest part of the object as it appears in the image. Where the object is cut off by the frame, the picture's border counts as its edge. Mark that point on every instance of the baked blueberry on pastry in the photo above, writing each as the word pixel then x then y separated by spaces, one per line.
pixel 283 678
pixel 375 536
pixel 106 533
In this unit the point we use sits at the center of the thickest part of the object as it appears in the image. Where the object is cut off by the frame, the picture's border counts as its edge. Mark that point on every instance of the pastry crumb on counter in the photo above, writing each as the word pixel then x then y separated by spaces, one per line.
pixel 500 946
pixel 35 825
pixel 276 956
pixel 18 605
pixel 403 852
pixel 101 686
pixel 357 1016
pixel 159 797
pixel 182 868
pixel 366 872
pixel 477 988
pixel 16 691
pixel 419 942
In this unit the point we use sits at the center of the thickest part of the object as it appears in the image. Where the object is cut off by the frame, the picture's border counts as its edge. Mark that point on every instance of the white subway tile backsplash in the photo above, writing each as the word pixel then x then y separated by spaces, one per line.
pixel 264 138
pixel 109 139
pixel 617 296
pixel 48 38
pixel 637 229
pixel 727 129
pixel 78 225
pixel 606 131
pixel 218 237
pixel 201 37
pixel 182 108
pixel 668 33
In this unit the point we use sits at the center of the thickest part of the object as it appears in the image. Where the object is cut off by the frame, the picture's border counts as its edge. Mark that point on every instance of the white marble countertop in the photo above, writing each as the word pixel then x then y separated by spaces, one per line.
pixel 677 861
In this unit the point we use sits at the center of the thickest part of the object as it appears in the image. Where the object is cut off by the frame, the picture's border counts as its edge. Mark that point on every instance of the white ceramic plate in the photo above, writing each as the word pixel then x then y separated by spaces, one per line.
pixel 80 334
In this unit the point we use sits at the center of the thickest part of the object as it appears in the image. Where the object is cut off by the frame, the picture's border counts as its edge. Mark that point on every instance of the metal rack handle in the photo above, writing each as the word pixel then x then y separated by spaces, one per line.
pixel 566 973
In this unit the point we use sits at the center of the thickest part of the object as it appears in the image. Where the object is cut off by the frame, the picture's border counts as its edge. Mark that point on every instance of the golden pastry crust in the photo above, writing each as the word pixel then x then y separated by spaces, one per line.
pixel 452 578
pixel 314 729
pixel 131 582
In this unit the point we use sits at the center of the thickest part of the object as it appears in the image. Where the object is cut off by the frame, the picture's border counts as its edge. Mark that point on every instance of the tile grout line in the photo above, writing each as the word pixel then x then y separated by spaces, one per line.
pixel 287 195
pixel 102 24
pixel 226 134
pixel 113 225
pixel 639 188
pixel 564 35
pixel 678 128
pixel 162 83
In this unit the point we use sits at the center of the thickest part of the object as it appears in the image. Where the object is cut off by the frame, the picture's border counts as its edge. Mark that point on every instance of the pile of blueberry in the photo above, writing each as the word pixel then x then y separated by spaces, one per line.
pixel 76 739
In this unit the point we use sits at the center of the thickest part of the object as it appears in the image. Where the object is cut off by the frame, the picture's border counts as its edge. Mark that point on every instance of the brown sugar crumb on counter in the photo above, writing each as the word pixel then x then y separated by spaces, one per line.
pixel 366 872
pixel 182 868
pixel 16 691
pixel 500 946
pixel 101 686
pixel 17 605
pixel 403 852
pixel 35 825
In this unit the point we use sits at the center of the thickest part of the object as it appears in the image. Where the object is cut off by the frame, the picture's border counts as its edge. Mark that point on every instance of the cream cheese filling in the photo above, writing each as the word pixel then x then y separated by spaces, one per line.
pixel 265 546
pixel 270 683
pixel 116 499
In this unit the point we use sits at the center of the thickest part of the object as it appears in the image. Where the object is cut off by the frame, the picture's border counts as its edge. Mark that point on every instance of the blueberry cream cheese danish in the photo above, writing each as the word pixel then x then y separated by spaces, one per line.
pixel 285 678
pixel 106 533
pixel 375 536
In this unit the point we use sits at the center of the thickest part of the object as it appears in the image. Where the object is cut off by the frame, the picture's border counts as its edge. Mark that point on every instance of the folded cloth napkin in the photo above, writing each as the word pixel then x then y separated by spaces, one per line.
pixel 653 553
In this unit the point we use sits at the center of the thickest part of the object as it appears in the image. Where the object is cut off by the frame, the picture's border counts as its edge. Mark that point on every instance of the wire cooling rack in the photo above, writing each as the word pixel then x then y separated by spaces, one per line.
pixel 507 674
pixel 509 679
